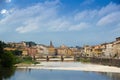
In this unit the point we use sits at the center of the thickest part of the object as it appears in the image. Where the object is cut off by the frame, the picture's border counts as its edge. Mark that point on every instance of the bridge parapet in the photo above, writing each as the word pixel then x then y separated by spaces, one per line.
pixel 56 58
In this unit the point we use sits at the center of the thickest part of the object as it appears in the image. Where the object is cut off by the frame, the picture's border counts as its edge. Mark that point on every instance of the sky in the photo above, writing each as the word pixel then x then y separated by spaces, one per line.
pixel 68 22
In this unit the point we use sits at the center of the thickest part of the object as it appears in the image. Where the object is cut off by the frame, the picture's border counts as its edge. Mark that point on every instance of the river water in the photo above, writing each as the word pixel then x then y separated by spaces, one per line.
pixel 34 74
pixel 50 74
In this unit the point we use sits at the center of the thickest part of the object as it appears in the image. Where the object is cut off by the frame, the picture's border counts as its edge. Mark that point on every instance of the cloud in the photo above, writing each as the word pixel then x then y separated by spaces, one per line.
pixel 59 24
pixel 117 29
pixel 107 15
pixel 4 11
pixel 87 2
pixel 111 7
pixel 28 28
pixel 8 1
pixel 110 19
pixel 86 15
pixel 45 17
pixel 39 17
pixel 80 26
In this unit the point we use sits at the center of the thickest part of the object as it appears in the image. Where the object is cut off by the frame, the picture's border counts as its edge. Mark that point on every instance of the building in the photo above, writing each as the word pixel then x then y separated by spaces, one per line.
pixel 19 45
pixel 116 48
pixel 24 52
pixel 118 39
pixel 42 49
pixel 109 50
pixel 88 50
pixel 75 51
pixel 103 47
pixel 51 50
pixel 64 51
pixel 9 49
pixel 31 51
pixel 97 51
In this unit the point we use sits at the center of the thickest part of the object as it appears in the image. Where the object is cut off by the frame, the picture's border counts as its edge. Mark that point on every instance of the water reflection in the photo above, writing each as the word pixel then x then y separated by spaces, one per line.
pixel 33 74
pixel 6 73
pixel 113 76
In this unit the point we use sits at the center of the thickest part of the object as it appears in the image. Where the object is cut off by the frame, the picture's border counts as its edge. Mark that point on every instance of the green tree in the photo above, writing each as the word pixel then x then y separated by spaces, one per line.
pixel 2 44
pixel 1 50
pixel 7 59
pixel 6 73
pixel 17 52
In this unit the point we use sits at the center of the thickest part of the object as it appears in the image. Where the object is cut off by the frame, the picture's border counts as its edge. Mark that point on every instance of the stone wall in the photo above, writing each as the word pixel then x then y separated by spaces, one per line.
pixel 104 61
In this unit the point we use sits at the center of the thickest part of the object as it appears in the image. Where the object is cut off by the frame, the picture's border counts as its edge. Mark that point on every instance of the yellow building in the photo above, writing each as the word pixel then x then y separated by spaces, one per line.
pixel 88 50
pixel 116 48
pixel 97 50
pixel 17 45
pixel 51 49
pixel 63 50
pixel 24 52
pixel 9 49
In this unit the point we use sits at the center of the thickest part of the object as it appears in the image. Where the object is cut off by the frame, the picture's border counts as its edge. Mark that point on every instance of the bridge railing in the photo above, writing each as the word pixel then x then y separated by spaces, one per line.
pixel 56 58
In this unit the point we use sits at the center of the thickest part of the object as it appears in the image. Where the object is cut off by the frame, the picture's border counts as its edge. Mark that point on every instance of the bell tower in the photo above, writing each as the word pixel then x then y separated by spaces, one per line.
pixel 51 45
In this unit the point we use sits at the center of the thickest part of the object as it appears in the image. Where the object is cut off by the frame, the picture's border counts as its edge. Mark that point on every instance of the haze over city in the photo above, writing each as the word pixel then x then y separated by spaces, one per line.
pixel 61 21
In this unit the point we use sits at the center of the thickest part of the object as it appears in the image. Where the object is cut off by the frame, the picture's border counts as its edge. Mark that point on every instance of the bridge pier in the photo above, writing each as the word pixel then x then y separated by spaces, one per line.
pixel 47 58
pixel 62 59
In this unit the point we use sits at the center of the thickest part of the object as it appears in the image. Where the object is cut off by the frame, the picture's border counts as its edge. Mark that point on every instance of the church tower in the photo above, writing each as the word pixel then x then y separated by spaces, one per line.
pixel 51 45
pixel 51 49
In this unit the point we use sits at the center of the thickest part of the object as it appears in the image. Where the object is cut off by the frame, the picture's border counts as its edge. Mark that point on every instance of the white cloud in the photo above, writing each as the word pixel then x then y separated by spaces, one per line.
pixel 58 24
pixel 87 2
pixel 86 15
pixel 8 1
pixel 107 15
pixel 40 17
pixel 96 14
pixel 80 26
pixel 112 18
pixel 45 17
pixel 117 29
pixel 27 28
pixel 4 11
pixel 111 7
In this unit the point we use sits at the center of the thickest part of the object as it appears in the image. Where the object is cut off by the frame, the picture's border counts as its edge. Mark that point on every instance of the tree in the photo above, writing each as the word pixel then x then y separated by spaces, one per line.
pixel 6 73
pixel 1 50
pixel 2 45
pixel 6 57
pixel 17 52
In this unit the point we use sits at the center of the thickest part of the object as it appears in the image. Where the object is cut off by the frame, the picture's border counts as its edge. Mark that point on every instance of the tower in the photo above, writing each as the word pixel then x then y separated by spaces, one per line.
pixel 51 45
pixel 51 49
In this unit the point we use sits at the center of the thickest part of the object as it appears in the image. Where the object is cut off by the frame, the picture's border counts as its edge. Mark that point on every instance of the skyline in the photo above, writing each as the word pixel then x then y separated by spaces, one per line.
pixel 61 21
pixel 50 42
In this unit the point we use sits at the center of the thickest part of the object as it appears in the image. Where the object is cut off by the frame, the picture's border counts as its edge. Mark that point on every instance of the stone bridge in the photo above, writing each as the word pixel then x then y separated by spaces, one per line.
pixel 56 58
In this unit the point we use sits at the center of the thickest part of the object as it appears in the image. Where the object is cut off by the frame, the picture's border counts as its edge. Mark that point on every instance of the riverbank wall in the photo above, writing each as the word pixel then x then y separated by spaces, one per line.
pixel 103 61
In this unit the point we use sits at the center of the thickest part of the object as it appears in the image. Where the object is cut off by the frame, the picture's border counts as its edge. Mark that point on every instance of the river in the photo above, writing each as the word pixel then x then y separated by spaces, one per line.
pixel 54 74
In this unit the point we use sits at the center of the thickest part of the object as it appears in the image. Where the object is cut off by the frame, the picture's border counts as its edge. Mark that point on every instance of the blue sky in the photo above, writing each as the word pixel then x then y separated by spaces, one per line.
pixel 69 22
